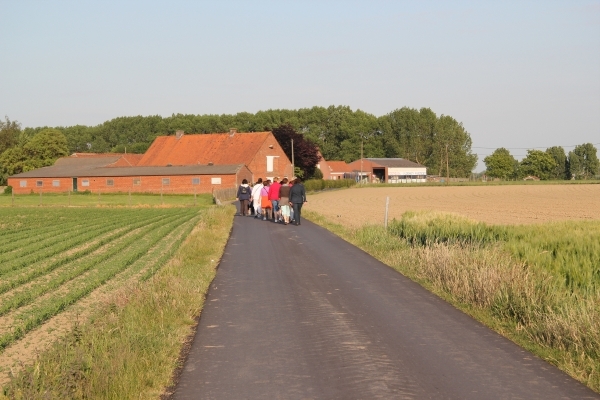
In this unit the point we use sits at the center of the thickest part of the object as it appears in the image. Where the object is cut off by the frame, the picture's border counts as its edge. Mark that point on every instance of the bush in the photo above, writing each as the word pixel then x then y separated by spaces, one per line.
pixel 312 185
pixel 318 174
pixel 321 184
pixel 8 190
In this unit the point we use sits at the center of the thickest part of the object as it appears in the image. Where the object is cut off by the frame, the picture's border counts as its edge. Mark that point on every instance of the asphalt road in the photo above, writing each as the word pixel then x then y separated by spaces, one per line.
pixel 297 313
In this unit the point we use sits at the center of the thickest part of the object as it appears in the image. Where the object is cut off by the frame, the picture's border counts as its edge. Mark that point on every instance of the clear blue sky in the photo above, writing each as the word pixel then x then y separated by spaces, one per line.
pixel 517 74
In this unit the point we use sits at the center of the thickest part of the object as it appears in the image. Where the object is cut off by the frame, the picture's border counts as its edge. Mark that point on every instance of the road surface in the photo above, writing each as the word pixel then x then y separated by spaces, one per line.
pixel 297 313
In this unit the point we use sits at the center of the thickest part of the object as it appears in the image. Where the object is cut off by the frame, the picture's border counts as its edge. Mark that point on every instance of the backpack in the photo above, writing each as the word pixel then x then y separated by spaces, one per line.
pixel 244 190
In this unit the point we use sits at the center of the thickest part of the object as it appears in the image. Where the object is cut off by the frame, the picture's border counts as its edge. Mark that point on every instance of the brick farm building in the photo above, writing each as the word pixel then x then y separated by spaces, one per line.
pixel 173 164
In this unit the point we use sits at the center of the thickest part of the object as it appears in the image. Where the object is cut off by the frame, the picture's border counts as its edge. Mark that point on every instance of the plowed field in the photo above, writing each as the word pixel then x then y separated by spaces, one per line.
pixel 518 204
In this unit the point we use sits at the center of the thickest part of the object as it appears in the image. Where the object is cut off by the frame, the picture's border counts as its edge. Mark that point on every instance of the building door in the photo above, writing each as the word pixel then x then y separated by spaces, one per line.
pixel 379 173
pixel 74 184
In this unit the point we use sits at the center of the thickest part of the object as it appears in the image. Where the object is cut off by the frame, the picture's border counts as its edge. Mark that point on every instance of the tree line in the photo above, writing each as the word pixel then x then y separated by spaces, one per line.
pixel 338 131
pixel 554 163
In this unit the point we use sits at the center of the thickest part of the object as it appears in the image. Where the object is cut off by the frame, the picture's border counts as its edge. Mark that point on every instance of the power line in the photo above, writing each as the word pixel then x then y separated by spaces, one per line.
pixel 514 155
pixel 527 148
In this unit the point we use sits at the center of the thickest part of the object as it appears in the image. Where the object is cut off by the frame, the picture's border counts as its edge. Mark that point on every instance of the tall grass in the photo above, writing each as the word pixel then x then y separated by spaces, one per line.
pixel 536 284
pixel 131 347
pixel 570 250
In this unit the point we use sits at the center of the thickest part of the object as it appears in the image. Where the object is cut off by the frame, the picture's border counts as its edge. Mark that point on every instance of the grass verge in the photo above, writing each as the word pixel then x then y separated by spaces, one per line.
pixel 527 304
pixel 130 347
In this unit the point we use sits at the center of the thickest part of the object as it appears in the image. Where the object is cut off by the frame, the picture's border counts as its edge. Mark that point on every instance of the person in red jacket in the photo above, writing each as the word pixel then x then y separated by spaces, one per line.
pixel 274 197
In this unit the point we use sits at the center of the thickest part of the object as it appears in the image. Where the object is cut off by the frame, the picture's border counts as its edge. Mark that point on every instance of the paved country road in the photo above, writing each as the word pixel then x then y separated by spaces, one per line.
pixel 297 313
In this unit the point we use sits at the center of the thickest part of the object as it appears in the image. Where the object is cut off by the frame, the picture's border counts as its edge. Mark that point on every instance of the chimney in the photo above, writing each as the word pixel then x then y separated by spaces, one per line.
pixel 178 134
pixel 232 131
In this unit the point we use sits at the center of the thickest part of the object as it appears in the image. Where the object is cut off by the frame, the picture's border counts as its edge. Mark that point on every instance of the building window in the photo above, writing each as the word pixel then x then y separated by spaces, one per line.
pixel 39 183
pixel 85 182
pixel 215 181
pixel 22 183
pixel 166 181
pixel 137 181
pixel 56 183
pixel 110 182
pixel 270 163
pixel 195 181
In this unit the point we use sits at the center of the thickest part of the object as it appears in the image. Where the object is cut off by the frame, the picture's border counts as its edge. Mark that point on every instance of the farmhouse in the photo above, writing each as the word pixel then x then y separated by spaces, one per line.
pixel 172 164
pixel 390 170
pixel 334 169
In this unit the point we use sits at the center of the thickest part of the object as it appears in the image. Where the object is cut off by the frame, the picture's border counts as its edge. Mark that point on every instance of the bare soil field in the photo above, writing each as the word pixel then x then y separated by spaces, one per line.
pixel 519 204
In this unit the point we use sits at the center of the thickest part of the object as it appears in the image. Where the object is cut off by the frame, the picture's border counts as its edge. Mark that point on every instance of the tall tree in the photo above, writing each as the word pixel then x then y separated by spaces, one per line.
pixel 14 161
pixel 537 163
pixel 500 164
pixel 559 156
pixel 583 162
pixel 9 134
pixel 306 153
pixel 42 150
pixel 420 136
pixel 452 147
pixel 339 131
pixel 47 146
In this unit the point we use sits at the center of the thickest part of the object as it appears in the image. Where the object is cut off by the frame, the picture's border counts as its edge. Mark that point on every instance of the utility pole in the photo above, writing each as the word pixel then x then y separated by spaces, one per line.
pixel 361 160
pixel 447 169
pixel 293 165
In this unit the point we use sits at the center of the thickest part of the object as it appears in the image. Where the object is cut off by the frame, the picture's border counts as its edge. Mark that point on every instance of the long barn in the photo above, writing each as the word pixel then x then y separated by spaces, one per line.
pixel 173 164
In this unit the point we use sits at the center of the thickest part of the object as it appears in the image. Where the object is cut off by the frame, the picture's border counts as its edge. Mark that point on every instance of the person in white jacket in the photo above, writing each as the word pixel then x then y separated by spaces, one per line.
pixel 256 198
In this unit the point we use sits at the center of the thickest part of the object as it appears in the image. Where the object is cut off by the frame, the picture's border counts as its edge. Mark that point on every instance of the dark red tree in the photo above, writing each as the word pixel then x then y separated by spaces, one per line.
pixel 306 153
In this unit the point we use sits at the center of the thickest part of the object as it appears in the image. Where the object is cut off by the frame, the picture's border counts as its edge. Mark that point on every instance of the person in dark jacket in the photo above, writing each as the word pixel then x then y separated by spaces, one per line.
pixel 297 199
pixel 244 194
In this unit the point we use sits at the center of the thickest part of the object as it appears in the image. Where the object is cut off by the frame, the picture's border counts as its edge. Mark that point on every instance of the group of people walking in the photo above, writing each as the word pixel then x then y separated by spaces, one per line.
pixel 280 202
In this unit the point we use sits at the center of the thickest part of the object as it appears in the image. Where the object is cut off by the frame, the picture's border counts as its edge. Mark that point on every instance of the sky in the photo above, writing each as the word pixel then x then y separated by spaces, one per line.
pixel 516 74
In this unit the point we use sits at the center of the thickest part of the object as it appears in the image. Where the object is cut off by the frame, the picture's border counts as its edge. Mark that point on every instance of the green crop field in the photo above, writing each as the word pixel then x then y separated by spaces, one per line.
pixel 53 257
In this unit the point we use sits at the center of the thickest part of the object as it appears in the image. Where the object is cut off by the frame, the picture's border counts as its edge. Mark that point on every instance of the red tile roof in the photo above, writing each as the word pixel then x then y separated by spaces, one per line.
pixel 127 160
pixel 124 160
pixel 216 148
pixel 95 167
pixel 339 166
pixel 93 155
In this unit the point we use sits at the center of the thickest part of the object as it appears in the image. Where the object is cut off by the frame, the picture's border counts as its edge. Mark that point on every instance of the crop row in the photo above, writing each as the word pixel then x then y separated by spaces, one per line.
pixel 75 255
pixel 31 222
pixel 135 248
pixel 26 296
pixel 41 247
pixel 74 225
pixel 22 239
pixel 62 246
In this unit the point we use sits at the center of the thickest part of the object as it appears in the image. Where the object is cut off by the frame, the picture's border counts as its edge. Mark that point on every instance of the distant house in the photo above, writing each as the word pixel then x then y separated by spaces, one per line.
pixel 390 170
pixel 333 169
pixel 172 164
